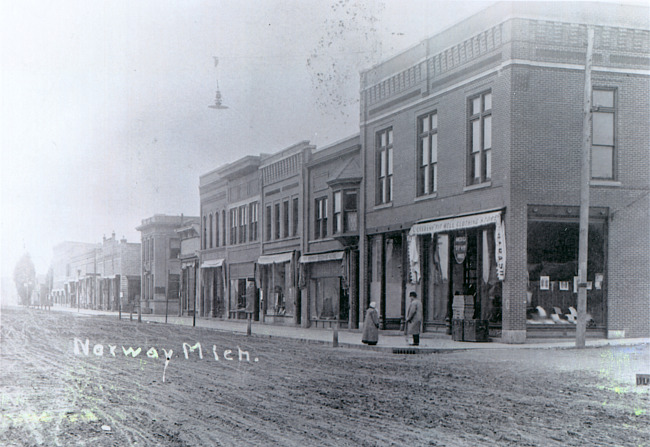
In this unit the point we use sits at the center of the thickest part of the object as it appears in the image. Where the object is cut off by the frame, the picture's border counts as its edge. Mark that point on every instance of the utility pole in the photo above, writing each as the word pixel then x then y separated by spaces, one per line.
pixel 585 177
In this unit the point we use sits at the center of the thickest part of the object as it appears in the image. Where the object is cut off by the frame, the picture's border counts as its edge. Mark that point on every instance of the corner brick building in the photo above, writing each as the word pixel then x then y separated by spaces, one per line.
pixel 471 152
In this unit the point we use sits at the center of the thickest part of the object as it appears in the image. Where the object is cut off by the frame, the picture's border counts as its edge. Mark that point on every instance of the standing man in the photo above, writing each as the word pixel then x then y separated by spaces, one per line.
pixel 414 318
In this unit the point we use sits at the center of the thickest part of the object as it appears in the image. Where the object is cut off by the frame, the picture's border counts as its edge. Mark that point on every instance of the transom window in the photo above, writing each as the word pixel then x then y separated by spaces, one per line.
pixel 603 132
pixel 428 154
pixel 480 144
pixel 385 166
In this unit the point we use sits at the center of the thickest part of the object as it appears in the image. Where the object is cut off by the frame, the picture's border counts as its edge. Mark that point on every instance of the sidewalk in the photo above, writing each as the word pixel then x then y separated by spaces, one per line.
pixel 389 340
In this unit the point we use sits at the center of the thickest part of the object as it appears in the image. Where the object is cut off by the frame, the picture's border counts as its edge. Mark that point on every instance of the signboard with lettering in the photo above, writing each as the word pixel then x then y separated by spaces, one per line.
pixel 460 248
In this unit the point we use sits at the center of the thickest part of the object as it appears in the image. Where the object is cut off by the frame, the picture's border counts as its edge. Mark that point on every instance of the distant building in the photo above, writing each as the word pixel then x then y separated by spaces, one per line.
pixel 190 237
pixel 96 276
pixel 161 265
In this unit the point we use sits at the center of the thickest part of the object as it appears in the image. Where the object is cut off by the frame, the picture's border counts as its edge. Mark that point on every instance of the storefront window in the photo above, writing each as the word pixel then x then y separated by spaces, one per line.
pixel 553 267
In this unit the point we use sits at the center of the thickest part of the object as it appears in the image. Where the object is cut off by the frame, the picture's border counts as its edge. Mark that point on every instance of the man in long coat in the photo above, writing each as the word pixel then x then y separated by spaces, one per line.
pixel 370 334
pixel 414 318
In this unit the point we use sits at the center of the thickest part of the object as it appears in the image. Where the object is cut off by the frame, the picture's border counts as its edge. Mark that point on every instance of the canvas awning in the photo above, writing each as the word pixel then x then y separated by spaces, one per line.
pixel 322 257
pixel 275 259
pixel 212 263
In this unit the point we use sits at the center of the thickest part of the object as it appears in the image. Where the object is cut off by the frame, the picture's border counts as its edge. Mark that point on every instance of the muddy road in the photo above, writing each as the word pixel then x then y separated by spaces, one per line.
pixel 107 389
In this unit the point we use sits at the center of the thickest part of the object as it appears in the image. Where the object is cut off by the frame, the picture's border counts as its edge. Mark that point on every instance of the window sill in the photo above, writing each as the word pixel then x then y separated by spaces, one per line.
pixel 478 186
pixel 426 197
pixel 383 206
pixel 610 183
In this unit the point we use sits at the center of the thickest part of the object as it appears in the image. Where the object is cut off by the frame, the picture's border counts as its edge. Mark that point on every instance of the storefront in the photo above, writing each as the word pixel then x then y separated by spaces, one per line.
pixel 243 292
pixel 188 286
pixel 213 288
pixel 325 279
pixel 462 255
pixel 279 299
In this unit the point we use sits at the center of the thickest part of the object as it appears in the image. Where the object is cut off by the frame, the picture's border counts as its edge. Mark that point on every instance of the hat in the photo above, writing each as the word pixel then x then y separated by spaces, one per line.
pixel 372 304
pixel 413 294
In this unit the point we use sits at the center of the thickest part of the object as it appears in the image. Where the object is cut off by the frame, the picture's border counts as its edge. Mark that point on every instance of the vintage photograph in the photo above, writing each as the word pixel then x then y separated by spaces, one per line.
pixel 325 223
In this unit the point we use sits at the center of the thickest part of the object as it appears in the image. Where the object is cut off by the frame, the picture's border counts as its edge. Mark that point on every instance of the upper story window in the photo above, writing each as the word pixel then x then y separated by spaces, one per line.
pixel 210 230
pixel 205 236
pixel 223 225
pixel 480 141
pixel 384 145
pixel 268 222
pixel 603 133
pixel 320 218
pixel 285 218
pixel 243 223
pixel 345 215
pixel 216 229
pixel 174 248
pixel 276 221
pixel 294 216
pixel 427 181
pixel 253 213
pixel 233 226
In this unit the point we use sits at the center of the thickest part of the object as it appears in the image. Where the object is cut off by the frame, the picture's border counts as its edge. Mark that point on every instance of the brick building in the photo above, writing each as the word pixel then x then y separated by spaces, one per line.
pixel 471 144
pixel 283 220
pixel 161 265
pixel 328 266
pixel 230 242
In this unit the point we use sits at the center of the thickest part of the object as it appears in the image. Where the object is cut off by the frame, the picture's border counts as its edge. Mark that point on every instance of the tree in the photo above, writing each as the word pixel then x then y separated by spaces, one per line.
pixel 25 278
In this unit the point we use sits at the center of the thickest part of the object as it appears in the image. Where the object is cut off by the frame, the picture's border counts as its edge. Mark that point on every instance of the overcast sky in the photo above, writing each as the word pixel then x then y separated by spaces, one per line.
pixel 105 117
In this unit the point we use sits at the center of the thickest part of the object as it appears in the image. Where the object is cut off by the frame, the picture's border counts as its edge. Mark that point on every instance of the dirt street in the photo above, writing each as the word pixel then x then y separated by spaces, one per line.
pixel 253 391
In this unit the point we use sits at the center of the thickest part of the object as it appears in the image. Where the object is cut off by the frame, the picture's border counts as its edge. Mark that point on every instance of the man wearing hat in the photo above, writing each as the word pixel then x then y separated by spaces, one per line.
pixel 370 334
pixel 414 318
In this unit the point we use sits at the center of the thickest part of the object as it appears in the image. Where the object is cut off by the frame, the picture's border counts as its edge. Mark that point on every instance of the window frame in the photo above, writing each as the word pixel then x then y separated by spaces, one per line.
pixel 604 110
pixel 320 217
pixel 483 154
pixel 269 222
pixel 384 158
pixel 253 215
pixel 427 174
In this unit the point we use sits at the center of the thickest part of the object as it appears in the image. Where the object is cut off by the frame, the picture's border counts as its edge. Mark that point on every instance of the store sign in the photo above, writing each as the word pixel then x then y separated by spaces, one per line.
pixel 460 248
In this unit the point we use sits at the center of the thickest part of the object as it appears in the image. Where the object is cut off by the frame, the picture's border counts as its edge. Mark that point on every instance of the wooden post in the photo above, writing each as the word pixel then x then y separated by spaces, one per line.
pixel 335 335
pixel 248 325
pixel 585 177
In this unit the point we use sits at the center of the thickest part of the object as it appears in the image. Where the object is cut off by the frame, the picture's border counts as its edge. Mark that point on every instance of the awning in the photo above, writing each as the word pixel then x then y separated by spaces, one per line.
pixel 322 257
pixel 212 263
pixel 447 225
pixel 456 223
pixel 275 259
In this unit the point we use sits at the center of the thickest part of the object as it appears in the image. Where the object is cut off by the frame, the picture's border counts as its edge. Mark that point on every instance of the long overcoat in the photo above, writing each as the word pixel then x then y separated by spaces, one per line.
pixel 414 317
pixel 371 326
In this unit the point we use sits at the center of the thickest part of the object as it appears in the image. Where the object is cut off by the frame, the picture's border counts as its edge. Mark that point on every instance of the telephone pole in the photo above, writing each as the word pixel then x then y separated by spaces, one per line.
pixel 585 177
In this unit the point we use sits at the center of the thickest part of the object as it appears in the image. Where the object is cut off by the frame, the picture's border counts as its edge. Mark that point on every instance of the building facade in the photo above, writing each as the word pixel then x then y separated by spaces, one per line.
pixel 283 222
pixel 328 266
pixel 161 265
pixel 96 276
pixel 190 238
pixel 471 145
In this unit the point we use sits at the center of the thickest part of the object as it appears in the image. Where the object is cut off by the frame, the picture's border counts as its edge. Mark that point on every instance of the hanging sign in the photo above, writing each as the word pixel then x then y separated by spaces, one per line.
pixel 460 248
